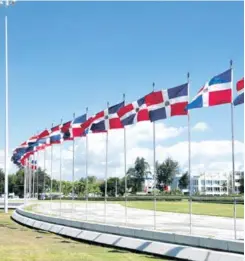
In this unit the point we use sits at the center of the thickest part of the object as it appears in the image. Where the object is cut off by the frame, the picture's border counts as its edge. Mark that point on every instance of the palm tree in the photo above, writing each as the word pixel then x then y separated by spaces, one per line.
pixel 137 174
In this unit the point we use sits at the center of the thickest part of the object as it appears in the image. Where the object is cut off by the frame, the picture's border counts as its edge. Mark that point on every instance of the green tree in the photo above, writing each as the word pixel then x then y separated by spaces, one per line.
pixel 166 171
pixel 1 181
pixel 184 181
pixel 137 174
pixel 16 183
pixel 66 187
pixel 241 188
pixel 79 188
pixel 40 175
pixel 111 186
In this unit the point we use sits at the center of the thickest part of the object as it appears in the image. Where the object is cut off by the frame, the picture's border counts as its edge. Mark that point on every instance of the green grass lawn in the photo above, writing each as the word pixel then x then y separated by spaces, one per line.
pixel 212 209
pixel 19 243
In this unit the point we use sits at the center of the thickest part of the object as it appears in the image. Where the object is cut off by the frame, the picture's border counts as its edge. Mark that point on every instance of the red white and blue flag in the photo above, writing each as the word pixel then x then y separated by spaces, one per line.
pixel 240 92
pixel 75 128
pixel 167 103
pixel 33 164
pixel 32 140
pixel 107 119
pixel 66 131
pixel 43 134
pixel 55 135
pixel 215 92
pixel 134 112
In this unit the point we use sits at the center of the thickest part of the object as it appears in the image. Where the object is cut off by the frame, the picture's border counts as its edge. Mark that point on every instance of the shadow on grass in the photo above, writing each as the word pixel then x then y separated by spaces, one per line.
pixel 66 242
pixel 118 251
pixel 42 232
pixel 11 227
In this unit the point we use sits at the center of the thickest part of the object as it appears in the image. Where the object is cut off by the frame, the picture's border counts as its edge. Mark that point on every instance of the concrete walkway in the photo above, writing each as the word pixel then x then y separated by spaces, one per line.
pixel 208 226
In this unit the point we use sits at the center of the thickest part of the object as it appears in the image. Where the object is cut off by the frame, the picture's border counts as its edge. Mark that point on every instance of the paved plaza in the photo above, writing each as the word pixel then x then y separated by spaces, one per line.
pixel 208 226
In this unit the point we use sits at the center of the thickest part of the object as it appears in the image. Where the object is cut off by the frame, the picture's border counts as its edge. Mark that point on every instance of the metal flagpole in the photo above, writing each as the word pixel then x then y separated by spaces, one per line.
pixel 6 119
pixel 30 176
pixel 6 4
pixel 33 174
pixel 189 157
pixel 51 174
pixel 60 167
pixel 125 176
pixel 26 166
pixel 37 159
pixel 25 179
pixel 106 167
pixel 86 169
pixel 44 168
pixel 73 168
pixel 125 171
pixel 233 157
pixel 154 166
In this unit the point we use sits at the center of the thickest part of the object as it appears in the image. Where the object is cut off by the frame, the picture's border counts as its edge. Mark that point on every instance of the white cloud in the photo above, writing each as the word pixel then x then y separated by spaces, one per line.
pixel 201 126
pixel 210 155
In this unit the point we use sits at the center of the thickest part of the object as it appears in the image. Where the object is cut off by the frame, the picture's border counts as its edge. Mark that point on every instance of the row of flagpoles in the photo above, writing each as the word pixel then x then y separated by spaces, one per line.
pixel 152 107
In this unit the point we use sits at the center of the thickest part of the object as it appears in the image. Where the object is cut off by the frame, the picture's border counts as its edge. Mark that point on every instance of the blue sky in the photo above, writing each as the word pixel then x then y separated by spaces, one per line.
pixel 65 56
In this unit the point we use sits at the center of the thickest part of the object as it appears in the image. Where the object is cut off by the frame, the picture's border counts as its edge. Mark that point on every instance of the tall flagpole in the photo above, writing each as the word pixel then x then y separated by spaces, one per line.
pixel 6 119
pixel 33 174
pixel 154 167
pixel 37 160
pixel 86 168
pixel 30 176
pixel 73 168
pixel 25 179
pixel 51 174
pixel 125 171
pixel 233 157
pixel 106 168
pixel 61 139
pixel 44 168
pixel 189 158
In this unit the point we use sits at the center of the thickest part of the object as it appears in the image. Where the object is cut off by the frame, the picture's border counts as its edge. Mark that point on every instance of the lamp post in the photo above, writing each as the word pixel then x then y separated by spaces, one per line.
pixel 6 4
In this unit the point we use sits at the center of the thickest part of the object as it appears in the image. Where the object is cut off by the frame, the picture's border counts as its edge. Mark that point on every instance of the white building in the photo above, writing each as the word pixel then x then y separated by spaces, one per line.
pixel 148 185
pixel 212 183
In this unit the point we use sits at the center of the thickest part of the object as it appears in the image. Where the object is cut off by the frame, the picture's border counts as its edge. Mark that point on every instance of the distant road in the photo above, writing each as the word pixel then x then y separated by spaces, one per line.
pixel 12 203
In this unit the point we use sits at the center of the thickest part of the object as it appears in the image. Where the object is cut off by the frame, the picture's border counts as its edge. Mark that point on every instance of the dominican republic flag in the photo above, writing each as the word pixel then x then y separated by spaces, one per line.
pixel 23 145
pixel 107 119
pixel 215 92
pixel 240 92
pixel 19 150
pixel 66 131
pixel 75 128
pixel 42 143
pixel 134 112
pixel 33 164
pixel 43 134
pixel 167 103
pixel 55 135
pixel 32 140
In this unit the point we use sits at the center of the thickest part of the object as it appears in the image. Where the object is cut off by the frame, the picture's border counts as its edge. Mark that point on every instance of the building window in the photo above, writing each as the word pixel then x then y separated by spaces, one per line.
pixel 195 182
pixel 209 182
pixel 203 182
pixel 216 182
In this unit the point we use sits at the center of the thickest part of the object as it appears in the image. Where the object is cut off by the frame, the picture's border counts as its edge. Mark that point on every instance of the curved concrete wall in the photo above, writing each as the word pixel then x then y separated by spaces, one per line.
pixel 193 241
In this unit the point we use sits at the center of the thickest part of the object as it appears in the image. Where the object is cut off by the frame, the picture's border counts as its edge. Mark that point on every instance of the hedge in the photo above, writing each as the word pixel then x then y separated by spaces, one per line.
pixel 206 199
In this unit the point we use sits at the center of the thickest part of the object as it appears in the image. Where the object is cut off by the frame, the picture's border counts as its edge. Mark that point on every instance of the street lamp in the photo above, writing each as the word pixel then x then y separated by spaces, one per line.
pixel 6 4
